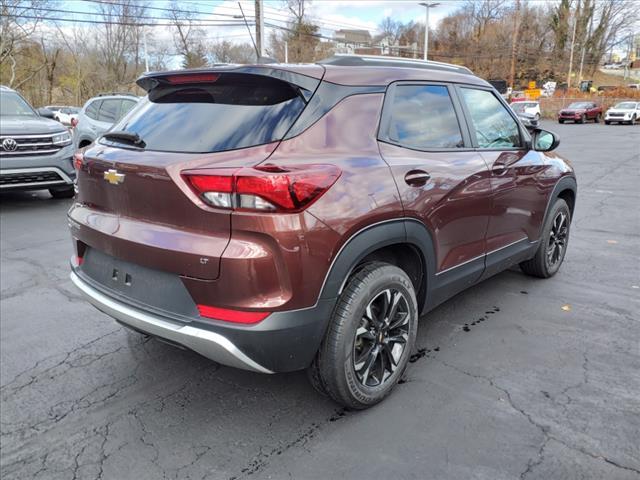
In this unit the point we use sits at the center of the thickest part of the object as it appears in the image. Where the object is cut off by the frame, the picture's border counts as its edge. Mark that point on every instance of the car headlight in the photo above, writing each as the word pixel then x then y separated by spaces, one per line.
pixel 62 139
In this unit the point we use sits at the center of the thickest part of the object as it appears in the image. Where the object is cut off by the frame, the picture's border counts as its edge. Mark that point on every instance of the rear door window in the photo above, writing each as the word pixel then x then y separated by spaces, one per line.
pixel 494 127
pixel 109 111
pixel 125 106
pixel 92 109
pixel 235 111
pixel 422 117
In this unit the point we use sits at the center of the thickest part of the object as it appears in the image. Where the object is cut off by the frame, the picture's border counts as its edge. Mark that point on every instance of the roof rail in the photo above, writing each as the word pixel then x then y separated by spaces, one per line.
pixel 350 60
pixel 128 94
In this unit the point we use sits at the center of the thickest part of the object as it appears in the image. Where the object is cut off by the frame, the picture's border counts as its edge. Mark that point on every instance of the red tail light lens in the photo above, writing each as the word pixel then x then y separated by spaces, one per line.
pixel 265 188
pixel 78 160
pixel 192 78
pixel 74 122
pixel 236 316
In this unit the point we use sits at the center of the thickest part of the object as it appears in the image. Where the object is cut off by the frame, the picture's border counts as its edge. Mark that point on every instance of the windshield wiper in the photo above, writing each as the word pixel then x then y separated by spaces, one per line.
pixel 126 136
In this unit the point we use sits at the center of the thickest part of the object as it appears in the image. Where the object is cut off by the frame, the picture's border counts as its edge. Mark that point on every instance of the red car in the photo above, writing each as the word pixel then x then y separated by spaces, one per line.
pixel 580 112
pixel 285 217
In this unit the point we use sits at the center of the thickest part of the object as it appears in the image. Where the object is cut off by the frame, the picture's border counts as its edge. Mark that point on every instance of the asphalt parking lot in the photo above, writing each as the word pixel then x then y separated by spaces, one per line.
pixel 515 378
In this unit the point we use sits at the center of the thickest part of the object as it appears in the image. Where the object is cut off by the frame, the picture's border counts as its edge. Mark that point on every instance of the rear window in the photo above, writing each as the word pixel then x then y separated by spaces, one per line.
pixel 236 111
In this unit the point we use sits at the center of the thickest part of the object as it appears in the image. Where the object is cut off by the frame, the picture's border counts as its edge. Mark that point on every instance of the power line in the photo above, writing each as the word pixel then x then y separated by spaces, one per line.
pixel 106 22
pixel 104 2
pixel 118 14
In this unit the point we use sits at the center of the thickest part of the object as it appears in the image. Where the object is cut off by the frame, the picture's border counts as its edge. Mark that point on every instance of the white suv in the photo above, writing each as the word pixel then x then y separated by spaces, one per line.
pixel 99 114
pixel 623 112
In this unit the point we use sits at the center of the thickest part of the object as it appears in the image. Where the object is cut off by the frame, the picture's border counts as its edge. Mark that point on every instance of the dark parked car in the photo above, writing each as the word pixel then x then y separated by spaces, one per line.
pixel 285 217
pixel 580 112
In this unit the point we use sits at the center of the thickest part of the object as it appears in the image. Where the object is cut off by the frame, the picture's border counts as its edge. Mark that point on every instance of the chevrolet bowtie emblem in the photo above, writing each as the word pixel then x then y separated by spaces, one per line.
pixel 113 176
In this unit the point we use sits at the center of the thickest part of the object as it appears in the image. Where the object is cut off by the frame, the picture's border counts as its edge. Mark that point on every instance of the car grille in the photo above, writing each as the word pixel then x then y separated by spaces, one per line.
pixel 8 179
pixel 33 145
pixel 616 114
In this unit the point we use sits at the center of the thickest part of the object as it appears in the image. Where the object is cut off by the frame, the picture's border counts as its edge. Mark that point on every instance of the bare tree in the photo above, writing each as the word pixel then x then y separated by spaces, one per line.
pixel 188 38
pixel 120 44
pixel 16 30
pixel 227 52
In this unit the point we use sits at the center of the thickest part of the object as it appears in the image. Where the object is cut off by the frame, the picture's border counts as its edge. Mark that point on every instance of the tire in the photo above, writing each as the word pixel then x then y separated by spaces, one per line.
pixel 548 258
pixel 537 117
pixel 633 120
pixel 560 121
pixel 66 192
pixel 582 119
pixel 597 119
pixel 360 325
pixel 607 122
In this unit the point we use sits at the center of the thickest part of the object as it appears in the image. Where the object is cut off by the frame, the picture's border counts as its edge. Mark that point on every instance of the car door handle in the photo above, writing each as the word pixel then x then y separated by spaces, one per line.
pixel 416 178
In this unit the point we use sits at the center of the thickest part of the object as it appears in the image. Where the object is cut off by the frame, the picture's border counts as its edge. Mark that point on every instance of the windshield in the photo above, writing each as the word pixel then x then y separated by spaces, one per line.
pixel 236 111
pixel 13 104
pixel 626 105
pixel 579 105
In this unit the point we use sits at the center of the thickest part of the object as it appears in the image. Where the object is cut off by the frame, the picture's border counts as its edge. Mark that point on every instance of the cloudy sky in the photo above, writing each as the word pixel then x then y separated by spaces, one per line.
pixel 331 15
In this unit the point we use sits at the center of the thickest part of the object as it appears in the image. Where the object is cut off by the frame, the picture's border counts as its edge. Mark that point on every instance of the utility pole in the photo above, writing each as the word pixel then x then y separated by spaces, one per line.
pixel 627 65
pixel 146 51
pixel 573 42
pixel 286 52
pixel 259 27
pixel 426 28
pixel 514 45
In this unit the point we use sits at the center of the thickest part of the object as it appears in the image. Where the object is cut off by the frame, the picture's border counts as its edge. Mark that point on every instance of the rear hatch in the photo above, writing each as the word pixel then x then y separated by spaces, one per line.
pixel 132 201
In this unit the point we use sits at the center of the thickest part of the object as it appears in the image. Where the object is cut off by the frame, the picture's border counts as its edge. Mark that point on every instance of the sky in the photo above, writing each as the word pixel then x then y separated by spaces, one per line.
pixel 331 15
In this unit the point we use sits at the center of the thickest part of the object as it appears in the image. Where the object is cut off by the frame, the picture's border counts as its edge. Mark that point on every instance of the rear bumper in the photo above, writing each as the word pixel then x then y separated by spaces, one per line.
pixel 284 341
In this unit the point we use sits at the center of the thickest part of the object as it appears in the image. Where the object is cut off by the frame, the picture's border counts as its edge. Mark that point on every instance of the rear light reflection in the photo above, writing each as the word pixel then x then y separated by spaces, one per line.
pixel 235 316
pixel 265 188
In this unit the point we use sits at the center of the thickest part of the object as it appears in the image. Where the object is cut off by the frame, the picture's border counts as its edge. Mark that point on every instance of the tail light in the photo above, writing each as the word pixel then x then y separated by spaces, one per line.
pixel 265 188
pixel 74 122
pixel 78 160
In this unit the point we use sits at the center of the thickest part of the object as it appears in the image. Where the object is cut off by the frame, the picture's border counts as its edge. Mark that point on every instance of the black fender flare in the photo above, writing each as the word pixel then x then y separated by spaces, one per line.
pixel 565 183
pixel 374 237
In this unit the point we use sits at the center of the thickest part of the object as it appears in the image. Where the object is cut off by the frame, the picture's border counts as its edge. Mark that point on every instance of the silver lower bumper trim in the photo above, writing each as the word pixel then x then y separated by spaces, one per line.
pixel 64 178
pixel 209 344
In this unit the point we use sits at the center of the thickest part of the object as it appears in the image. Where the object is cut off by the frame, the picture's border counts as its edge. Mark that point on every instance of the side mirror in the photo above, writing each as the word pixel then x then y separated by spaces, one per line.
pixel 544 141
pixel 46 113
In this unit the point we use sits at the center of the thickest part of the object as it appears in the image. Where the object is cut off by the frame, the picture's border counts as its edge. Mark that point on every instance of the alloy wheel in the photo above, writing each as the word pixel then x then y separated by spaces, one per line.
pixel 381 337
pixel 557 239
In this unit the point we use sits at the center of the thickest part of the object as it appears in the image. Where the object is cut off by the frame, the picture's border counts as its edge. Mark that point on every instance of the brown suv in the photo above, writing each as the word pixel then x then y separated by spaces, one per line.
pixel 285 217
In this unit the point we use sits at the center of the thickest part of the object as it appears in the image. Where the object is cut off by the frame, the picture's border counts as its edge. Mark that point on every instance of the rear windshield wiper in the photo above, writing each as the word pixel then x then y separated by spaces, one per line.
pixel 133 138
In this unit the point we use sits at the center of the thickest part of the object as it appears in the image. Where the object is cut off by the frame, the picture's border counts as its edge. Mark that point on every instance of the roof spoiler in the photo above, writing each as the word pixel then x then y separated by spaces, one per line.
pixel 306 84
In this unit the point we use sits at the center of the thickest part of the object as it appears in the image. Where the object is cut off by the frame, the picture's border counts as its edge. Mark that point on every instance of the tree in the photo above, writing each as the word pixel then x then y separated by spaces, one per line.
pixel 301 37
pixel 16 33
pixel 188 38
pixel 226 52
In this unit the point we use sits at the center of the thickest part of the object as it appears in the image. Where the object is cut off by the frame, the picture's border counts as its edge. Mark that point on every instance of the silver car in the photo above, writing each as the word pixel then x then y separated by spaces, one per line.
pixel 99 114
pixel 35 151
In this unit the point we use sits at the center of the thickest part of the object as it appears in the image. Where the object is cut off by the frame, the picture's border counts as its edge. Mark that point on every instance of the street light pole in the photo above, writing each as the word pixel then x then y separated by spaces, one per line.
pixel 426 27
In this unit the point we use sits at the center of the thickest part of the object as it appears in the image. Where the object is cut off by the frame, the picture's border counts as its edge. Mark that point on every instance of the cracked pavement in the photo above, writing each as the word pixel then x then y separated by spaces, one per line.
pixel 504 383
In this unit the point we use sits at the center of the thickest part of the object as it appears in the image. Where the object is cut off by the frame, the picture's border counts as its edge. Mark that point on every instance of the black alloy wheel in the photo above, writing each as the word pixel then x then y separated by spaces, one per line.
pixel 381 338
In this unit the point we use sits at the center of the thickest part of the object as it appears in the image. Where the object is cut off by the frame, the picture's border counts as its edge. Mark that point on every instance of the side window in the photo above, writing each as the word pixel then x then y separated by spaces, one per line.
pixel 493 125
pixel 125 107
pixel 423 117
pixel 92 109
pixel 109 111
